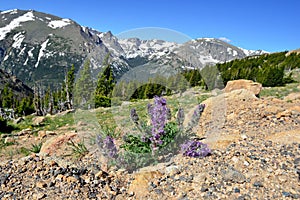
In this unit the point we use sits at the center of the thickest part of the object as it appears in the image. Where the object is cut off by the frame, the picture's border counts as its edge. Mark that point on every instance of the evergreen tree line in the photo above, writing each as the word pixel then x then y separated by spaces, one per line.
pixel 43 101
pixel 51 101
pixel 269 69
pixel 106 88
pixel 16 105
pixel 158 85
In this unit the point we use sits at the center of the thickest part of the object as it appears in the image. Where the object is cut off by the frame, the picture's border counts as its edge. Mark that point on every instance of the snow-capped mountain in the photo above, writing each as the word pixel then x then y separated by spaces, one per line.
pixel 38 47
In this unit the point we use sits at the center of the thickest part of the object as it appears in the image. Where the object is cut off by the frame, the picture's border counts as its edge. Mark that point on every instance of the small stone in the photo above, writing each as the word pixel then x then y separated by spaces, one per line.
pixel 9 140
pixel 42 134
pixel 41 184
pixel 72 179
pixel 236 190
pixel 243 136
pixel 172 170
pixel 235 159
pixel 286 194
pixel 233 176
pixel 257 184
pixel 60 177
pixel 204 188
pixel 39 196
pixel 52 163
pixel 131 194
pixel 297 161
pixel 246 163
pixel 158 191
pixel 101 174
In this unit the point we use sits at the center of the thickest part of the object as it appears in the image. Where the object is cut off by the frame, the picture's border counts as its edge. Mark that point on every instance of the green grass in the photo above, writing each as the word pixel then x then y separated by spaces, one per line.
pixel 3 144
pixel 119 116
pixel 24 151
pixel 280 92
pixel 36 148
pixel 78 149
pixel 53 123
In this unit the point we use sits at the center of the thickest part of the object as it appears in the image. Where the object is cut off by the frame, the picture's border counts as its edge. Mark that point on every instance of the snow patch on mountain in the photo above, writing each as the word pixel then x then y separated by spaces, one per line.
pixel 253 52
pixel 42 52
pixel 59 23
pixel 6 57
pixel 30 54
pixel 13 11
pixel 134 47
pixel 207 60
pixel 18 38
pixel 15 23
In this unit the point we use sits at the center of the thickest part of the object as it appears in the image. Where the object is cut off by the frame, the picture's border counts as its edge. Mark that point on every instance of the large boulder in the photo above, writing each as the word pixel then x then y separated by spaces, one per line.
pixel 219 115
pixel 55 145
pixel 254 87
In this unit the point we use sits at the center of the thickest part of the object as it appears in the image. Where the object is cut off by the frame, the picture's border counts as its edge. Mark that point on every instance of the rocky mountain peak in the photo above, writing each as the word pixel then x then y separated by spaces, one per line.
pixel 37 46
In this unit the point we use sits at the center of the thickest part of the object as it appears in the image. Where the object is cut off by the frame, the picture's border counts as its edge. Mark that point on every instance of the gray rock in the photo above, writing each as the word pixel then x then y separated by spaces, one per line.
pixel 232 175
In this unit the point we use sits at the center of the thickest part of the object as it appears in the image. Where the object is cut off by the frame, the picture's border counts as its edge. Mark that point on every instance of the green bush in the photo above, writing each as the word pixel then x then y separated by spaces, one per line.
pixel 102 101
pixel 3 123
pixel 4 127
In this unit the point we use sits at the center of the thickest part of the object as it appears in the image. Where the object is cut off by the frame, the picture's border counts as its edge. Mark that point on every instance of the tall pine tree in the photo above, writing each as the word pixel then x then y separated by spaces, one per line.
pixel 70 79
pixel 84 87
pixel 105 85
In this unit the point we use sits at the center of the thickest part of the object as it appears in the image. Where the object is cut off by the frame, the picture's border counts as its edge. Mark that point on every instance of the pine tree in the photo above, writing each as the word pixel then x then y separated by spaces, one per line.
pixel 70 79
pixel 84 87
pixel 37 101
pixel 105 85
pixel 7 99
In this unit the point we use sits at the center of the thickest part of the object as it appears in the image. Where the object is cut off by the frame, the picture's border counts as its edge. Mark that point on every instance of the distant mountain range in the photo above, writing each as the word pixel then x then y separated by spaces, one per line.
pixel 38 47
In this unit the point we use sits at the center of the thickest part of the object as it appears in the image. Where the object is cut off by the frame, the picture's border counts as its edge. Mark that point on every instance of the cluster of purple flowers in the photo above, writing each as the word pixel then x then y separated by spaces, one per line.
pixel 193 148
pixel 107 146
pixel 159 115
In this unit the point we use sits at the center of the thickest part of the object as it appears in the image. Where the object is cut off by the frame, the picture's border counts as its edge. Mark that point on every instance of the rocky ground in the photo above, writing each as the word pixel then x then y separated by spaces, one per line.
pixel 255 146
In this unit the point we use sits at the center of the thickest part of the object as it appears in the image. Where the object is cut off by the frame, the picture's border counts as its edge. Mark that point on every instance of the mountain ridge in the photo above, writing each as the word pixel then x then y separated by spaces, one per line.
pixel 39 47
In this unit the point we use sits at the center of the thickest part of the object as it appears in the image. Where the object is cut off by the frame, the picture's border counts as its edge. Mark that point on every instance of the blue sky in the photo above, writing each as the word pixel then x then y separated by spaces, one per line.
pixel 271 25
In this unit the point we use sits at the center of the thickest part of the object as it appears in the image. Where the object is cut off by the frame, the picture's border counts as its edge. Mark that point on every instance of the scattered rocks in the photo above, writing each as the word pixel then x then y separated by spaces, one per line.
pixel 141 181
pixel 9 140
pixel 255 155
pixel 24 132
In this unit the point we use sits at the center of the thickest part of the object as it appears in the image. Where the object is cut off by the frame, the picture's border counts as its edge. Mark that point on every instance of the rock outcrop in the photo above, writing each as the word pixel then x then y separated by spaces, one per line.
pixel 243 84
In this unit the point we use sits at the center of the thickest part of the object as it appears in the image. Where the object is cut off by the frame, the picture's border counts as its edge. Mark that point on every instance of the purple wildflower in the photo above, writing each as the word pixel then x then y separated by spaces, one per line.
pixel 195 149
pixel 107 146
pixel 158 113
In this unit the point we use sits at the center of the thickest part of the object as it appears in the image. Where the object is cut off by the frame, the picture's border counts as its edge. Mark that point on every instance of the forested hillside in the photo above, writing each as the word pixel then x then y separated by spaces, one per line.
pixel 269 69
